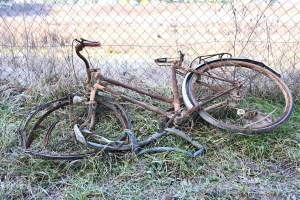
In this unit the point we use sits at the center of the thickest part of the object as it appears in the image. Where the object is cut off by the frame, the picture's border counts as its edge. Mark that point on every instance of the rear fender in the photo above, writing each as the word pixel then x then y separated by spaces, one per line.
pixel 202 64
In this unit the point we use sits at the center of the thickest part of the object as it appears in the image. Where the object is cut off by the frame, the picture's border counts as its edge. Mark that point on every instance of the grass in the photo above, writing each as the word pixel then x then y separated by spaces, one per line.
pixel 235 166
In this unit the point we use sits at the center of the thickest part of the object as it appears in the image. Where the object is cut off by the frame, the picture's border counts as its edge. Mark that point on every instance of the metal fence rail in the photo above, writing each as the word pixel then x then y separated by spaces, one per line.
pixel 36 36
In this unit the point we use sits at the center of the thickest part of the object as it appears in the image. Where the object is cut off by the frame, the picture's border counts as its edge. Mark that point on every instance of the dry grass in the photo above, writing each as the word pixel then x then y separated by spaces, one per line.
pixel 234 166
pixel 129 37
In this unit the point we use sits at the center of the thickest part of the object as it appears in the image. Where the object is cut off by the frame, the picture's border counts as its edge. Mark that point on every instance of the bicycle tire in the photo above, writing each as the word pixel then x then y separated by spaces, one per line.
pixel 40 141
pixel 262 103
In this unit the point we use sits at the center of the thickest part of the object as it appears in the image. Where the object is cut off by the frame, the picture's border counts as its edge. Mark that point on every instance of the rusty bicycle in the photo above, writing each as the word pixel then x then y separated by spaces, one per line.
pixel 235 94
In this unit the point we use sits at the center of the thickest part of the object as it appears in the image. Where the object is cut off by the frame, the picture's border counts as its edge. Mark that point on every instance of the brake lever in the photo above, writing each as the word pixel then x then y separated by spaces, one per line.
pixel 181 56
pixel 77 40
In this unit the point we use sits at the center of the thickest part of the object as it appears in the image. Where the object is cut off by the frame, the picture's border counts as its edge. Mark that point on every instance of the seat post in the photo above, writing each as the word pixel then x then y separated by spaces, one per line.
pixel 176 102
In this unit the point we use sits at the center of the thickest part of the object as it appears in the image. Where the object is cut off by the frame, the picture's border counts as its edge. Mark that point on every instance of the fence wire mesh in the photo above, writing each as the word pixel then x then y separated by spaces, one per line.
pixel 36 37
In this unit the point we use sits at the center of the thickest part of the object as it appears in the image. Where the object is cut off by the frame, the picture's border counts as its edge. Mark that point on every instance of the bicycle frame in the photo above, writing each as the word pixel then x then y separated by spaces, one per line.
pixel 179 115
pixel 175 101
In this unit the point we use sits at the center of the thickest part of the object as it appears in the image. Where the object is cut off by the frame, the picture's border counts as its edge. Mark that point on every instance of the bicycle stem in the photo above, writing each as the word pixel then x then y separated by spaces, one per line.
pixel 79 47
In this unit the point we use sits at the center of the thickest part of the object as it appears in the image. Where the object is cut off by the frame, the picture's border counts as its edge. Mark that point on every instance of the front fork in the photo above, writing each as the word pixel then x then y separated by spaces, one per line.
pixel 92 105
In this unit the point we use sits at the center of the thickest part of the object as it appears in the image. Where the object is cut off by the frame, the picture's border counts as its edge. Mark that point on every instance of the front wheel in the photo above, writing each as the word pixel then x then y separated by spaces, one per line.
pixel 239 95
pixel 49 130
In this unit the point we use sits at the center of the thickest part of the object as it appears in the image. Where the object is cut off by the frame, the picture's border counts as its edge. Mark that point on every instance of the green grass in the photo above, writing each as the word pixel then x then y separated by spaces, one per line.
pixel 235 166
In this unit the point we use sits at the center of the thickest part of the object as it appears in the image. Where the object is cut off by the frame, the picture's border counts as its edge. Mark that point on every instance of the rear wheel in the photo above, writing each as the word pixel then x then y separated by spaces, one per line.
pixel 239 96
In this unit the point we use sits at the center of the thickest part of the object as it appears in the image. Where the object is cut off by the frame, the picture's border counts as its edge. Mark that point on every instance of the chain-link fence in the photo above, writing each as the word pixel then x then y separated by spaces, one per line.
pixel 36 36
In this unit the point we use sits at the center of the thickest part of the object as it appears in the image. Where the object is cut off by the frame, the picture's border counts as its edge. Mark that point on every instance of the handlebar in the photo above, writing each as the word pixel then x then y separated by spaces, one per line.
pixel 88 43
pixel 92 44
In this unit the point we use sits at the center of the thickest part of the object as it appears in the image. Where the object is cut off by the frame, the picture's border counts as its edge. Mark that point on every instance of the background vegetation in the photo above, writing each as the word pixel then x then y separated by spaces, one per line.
pixel 36 65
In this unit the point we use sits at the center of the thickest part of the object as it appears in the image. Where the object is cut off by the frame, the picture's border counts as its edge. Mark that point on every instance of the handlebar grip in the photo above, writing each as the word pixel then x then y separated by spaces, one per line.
pixel 92 44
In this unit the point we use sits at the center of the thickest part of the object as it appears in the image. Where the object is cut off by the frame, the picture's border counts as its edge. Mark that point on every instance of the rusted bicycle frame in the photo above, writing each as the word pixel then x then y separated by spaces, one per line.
pixel 127 141
pixel 174 65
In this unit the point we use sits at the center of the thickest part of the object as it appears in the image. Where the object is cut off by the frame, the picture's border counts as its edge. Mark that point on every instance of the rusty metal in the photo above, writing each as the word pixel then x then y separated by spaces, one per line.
pixel 201 104
pixel 122 145
pixel 226 102
pixel 176 102
pixel 258 68
pixel 112 146
pixel 28 139
pixel 208 85
pixel 79 47
pixel 128 140
pixel 204 74
pixel 202 59
pixel 87 119
pixel 46 138
pixel 129 99
pixel 153 95
pixel 92 109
